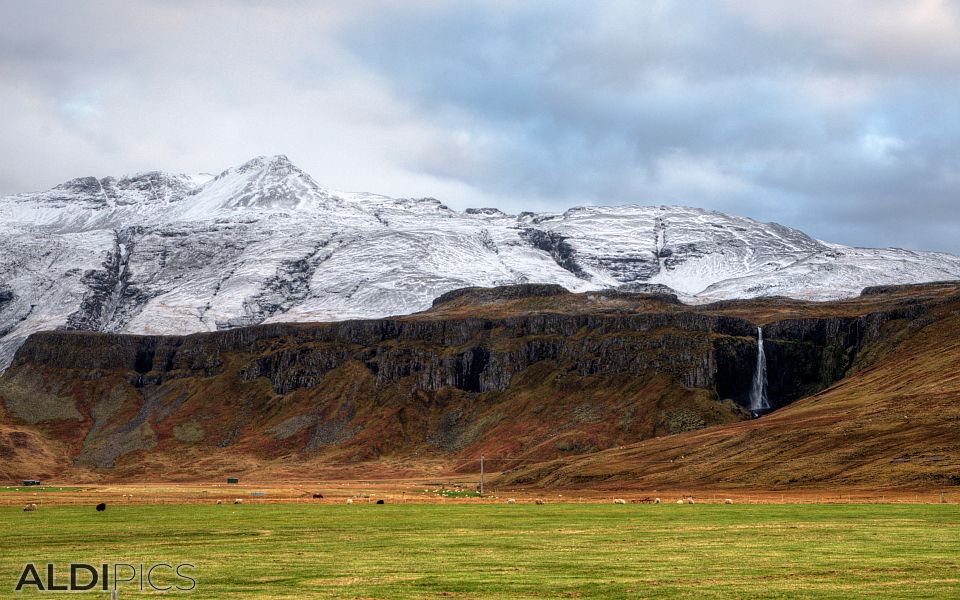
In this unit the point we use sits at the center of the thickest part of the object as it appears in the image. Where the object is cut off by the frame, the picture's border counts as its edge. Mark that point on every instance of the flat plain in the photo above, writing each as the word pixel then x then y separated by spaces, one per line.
pixel 523 550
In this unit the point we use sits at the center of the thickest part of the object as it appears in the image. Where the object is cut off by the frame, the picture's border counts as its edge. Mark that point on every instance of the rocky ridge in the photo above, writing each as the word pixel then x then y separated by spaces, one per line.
pixel 531 372
pixel 160 253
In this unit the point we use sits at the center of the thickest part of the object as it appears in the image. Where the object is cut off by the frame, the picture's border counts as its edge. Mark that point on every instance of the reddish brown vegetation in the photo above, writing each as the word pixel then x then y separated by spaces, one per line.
pixel 892 421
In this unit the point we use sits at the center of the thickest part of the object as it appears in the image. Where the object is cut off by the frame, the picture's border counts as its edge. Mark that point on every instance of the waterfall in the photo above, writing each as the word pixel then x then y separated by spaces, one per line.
pixel 758 391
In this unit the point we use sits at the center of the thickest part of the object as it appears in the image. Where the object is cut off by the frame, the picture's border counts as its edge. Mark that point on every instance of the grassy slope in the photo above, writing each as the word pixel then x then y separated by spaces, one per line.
pixel 501 551
pixel 894 422
pixel 881 414
pixel 25 450
pixel 548 411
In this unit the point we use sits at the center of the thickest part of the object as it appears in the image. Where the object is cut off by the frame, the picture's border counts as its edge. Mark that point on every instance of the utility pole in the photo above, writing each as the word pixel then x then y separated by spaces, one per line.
pixel 481 476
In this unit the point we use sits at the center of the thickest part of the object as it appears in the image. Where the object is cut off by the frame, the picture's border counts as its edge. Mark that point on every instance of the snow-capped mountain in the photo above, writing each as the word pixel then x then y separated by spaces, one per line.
pixel 164 253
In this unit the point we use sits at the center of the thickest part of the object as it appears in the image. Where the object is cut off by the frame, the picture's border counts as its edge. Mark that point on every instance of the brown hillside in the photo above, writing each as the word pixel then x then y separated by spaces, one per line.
pixel 526 373
pixel 895 422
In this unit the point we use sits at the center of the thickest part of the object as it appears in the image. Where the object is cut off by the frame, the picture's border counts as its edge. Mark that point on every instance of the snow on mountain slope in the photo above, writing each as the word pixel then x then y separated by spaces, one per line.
pixel 687 249
pixel 264 184
pixel 837 272
pixel 89 203
pixel 44 279
pixel 164 253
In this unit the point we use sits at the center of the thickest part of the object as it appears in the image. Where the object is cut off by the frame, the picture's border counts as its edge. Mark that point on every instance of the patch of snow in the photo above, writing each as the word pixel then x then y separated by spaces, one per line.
pixel 263 242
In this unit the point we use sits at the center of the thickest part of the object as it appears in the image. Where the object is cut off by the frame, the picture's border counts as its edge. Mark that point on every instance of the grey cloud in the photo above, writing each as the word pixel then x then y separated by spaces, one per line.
pixel 731 106
pixel 838 117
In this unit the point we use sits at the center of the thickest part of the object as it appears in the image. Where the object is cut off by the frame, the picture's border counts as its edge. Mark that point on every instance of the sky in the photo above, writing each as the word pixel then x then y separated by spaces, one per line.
pixel 838 117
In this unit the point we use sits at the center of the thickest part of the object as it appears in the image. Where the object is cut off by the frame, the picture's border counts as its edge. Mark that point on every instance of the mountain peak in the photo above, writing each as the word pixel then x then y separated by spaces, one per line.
pixel 263 242
pixel 263 182
pixel 109 192
pixel 267 162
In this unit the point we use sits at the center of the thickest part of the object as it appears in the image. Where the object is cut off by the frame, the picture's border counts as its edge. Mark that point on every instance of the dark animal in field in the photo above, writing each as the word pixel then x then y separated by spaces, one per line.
pixel 101 507
pixel 380 502
pixel 645 500
pixel 318 496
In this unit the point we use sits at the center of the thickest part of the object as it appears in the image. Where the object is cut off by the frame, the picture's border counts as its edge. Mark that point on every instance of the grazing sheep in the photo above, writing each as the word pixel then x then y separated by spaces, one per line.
pixel 30 507
pixel 679 501
pixel 380 502
pixel 619 501
pixel 101 507
pixel 318 496
pixel 349 500
pixel 728 501
pixel 656 500
pixel 238 501
pixel 690 500
pixel 539 501
pixel 219 502
pixel 511 501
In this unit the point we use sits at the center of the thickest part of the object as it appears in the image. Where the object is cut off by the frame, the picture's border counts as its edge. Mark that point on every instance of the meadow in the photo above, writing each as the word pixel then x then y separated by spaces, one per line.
pixel 507 551
pixel 20 489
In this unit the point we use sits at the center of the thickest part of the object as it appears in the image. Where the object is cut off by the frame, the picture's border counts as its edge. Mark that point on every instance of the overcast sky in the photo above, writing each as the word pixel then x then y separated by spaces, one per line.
pixel 839 117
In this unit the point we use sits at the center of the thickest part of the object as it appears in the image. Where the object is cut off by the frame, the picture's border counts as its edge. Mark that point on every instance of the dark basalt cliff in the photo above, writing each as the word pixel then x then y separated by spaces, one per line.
pixel 541 384
pixel 476 355
pixel 890 422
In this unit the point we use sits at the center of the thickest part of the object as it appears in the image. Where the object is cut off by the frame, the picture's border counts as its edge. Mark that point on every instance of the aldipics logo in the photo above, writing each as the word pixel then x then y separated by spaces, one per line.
pixel 82 577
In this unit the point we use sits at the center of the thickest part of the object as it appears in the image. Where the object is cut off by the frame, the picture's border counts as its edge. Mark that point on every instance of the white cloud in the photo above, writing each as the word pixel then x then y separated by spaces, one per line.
pixel 806 113
pixel 906 35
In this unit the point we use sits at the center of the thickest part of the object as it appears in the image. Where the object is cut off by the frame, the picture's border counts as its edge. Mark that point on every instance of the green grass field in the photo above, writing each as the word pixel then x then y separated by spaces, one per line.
pixel 508 551
pixel 33 488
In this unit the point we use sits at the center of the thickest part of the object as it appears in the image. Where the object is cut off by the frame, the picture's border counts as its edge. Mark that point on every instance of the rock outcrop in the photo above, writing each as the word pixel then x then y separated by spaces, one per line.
pixel 534 382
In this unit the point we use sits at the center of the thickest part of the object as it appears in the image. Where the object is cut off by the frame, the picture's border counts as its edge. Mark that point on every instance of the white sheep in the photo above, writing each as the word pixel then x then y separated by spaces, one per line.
pixel 238 501
pixel 511 501
pixel 679 501
pixel 349 500
pixel 619 501
pixel 219 502
pixel 656 500
pixel 30 507
pixel 690 500
pixel 728 501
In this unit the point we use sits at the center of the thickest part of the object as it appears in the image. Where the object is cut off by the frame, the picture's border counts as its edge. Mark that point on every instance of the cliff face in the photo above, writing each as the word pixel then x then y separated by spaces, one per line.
pixel 892 421
pixel 475 355
pixel 531 383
